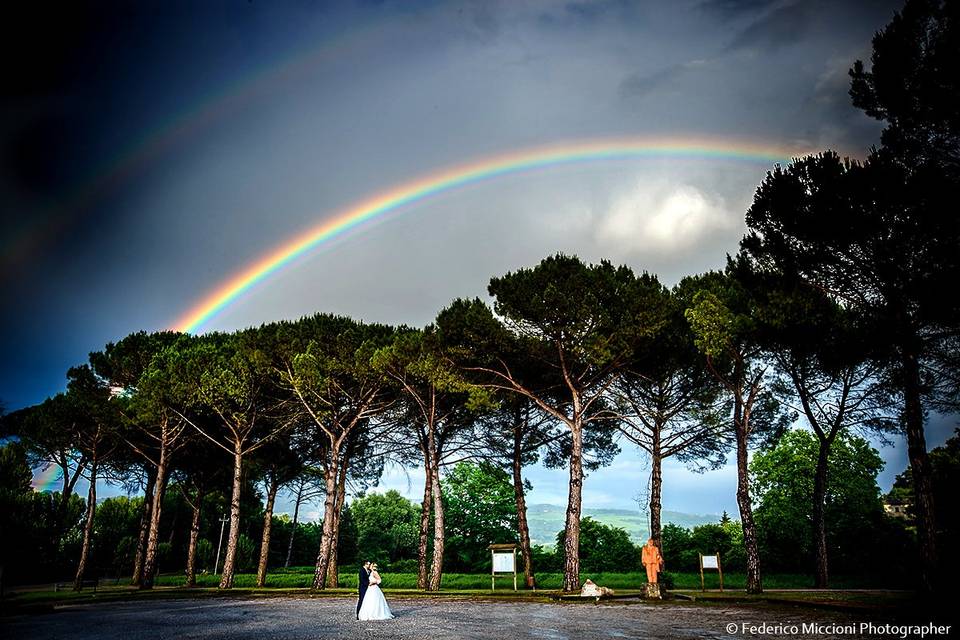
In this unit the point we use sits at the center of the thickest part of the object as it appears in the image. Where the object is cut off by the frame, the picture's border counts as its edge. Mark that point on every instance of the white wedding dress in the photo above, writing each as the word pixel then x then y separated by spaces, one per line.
pixel 374 605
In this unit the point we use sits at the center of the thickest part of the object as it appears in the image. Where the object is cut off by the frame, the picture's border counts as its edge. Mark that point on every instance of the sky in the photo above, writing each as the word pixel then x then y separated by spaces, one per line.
pixel 152 151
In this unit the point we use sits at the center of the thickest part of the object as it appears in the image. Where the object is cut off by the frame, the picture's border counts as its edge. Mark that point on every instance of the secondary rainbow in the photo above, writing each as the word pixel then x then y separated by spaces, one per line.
pixel 463 175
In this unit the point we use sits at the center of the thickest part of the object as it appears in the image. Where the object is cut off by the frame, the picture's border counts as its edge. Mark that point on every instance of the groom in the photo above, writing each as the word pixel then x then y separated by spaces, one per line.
pixel 363 581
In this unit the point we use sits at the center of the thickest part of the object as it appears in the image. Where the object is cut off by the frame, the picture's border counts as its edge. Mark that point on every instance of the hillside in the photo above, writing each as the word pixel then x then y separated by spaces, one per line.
pixel 546 520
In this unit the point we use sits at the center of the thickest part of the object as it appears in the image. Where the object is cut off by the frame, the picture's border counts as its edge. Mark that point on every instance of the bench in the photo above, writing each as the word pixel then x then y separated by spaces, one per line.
pixel 65 586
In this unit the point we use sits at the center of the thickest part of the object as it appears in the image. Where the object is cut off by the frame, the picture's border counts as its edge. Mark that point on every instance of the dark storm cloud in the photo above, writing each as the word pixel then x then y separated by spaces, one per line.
pixel 733 9
pixel 806 21
pixel 781 27
pixel 294 111
pixel 425 84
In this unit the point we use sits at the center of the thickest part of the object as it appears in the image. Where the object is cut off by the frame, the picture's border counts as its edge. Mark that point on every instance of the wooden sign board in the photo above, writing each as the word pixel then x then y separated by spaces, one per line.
pixel 503 560
pixel 710 562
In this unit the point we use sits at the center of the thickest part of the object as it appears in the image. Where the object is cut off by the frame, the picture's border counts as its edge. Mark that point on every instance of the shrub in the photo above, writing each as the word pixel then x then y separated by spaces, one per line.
pixel 246 554
pixel 204 555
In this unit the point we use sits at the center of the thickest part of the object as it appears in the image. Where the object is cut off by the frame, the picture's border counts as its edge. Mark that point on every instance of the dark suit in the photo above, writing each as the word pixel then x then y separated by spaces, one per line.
pixel 363 581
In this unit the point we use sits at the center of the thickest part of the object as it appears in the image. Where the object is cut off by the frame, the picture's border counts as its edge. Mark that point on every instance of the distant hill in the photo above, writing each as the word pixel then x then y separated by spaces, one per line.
pixel 546 520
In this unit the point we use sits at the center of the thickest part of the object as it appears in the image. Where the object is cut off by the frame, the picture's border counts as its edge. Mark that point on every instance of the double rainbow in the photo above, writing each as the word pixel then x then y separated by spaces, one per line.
pixel 463 175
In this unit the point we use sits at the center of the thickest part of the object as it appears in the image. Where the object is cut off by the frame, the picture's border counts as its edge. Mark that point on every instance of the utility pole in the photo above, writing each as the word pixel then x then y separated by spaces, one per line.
pixel 223 521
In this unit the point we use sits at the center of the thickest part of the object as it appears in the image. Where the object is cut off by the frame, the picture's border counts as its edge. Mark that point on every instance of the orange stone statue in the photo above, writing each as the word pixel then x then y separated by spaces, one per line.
pixel 652 561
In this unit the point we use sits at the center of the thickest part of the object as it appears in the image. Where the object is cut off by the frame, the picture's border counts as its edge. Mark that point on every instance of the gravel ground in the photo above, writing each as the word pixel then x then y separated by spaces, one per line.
pixel 276 618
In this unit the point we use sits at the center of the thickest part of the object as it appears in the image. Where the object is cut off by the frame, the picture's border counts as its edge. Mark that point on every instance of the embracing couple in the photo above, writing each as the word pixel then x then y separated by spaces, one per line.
pixel 371 605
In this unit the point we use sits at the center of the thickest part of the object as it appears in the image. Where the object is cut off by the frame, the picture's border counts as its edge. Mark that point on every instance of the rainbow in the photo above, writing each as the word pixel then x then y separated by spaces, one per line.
pixel 47 478
pixel 152 143
pixel 447 179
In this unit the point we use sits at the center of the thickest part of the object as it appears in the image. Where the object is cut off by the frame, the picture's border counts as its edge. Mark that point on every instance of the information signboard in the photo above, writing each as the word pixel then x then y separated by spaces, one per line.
pixel 504 562
pixel 710 562
pixel 503 559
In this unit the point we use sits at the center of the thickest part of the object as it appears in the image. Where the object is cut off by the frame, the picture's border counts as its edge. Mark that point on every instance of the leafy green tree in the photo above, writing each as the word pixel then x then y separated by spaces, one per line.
pixel 681 546
pixel 481 510
pixel 517 433
pixel 826 359
pixel 15 473
pixel 386 525
pixel 723 316
pixel 197 475
pixel 15 498
pixel 45 431
pixel 337 393
pixel 150 430
pixel 154 428
pixel 678 554
pixel 604 548
pixel 725 538
pixel 440 410
pixel 347 548
pixel 888 257
pixel 117 519
pixel 671 406
pixel 95 419
pixel 226 378
pixel 581 323
pixel 279 462
pixel 945 467
pixel 944 476
pixel 246 554
pixel 877 235
pixel 784 480
pixel 911 84
pixel 307 486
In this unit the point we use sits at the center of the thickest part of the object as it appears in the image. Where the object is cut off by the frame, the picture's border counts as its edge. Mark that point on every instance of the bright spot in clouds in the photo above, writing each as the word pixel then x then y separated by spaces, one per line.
pixel 662 217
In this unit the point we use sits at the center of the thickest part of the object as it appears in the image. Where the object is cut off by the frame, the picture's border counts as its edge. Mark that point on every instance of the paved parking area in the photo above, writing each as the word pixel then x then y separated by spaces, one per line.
pixel 282 618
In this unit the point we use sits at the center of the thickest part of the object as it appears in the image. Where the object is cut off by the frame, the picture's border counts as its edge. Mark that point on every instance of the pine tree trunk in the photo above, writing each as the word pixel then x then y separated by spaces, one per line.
pixel 65 493
pixel 571 545
pixel 194 538
pixel 329 505
pixel 265 538
pixel 920 469
pixel 656 489
pixel 522 526
pixel 293 528
pixel 754 584
pixel 150 556
pixel 821 573
pixel 144 528
pixel 436 566
pixel 87 527
pixel 333 569
pixel 422 569
pixel 229 562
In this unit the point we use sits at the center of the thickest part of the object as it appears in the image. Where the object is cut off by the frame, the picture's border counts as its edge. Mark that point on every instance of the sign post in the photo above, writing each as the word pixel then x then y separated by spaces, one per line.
pixel 503 560
pixel 710 562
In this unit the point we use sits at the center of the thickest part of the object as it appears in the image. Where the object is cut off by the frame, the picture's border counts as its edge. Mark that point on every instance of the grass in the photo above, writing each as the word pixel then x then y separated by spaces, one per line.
pixel 302 578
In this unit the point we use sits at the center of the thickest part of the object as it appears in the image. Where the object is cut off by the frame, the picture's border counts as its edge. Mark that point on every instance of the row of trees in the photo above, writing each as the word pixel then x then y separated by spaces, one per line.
pixel 834 309
pixel 480 508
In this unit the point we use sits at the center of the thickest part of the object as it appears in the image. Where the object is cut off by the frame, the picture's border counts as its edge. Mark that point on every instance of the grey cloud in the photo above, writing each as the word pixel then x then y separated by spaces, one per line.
pixel 637 85
pixel 733 9
pixel 783 26
pixel 592 13
pixel 640 85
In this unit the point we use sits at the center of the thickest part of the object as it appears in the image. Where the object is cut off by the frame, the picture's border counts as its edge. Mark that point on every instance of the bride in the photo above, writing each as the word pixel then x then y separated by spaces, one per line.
pixel 374 605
